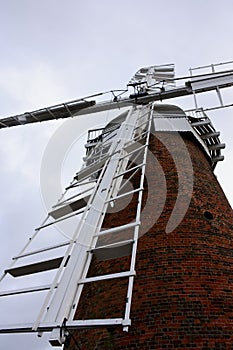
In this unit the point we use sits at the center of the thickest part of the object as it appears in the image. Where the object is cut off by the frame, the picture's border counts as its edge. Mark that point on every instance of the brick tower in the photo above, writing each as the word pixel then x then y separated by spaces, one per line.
pixel 183 289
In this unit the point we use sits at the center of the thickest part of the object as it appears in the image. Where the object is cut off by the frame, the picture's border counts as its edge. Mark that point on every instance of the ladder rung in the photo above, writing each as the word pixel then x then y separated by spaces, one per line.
pixel 107 277
pixel 55 338
pixel 112 251
pixel 201 122
pixel 216 146
pixel 140 125
pixel 91 144
pixel 131 150
pixel 123 195
pixel 65 201
pixel 25 328
pixel 41 250
pixel 36 267
pixel 119 228
pixel 134 146
pixel 129 170
pixel 80 211
pixel 141 136
pixel 218 159
pixel 90 169
pixel 88 182
pixel 25 290
pixel 69 208
pixel 98 322
pixel 143 116
pixel 210 134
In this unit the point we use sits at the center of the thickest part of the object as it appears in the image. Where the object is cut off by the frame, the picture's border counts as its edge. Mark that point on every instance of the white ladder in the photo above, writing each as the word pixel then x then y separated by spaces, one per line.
pixel 136 127
pixel 64 293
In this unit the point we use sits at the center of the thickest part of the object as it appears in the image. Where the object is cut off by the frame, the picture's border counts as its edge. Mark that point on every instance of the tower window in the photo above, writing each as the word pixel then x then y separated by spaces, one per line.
pixel 208 215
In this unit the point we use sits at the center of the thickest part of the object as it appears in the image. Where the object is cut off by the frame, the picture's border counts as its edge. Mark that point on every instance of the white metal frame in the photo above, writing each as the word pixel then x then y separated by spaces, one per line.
pixel 64 292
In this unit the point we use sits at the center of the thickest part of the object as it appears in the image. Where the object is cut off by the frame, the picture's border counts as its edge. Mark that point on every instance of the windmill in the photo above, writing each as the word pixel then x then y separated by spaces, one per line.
pixel 118 196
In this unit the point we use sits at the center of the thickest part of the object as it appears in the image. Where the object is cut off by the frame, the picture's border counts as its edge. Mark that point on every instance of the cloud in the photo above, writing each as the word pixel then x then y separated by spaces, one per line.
pixel 29 87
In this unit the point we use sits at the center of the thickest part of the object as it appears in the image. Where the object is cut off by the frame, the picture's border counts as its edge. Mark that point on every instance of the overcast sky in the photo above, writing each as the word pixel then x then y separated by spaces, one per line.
pixel 54 51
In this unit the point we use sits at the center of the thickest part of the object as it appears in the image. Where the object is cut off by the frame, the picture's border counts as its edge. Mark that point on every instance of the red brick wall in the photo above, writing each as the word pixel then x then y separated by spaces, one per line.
pixel 183 290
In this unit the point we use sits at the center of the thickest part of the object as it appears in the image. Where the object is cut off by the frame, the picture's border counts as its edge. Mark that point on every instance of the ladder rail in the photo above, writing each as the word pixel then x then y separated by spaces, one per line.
pixel 137 228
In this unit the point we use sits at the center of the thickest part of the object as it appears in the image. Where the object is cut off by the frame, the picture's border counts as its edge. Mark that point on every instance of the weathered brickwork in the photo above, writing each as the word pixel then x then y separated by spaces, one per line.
pixel 183 290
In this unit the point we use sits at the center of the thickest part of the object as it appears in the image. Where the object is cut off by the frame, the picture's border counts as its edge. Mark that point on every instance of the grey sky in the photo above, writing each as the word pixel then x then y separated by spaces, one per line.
pixel 54 51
